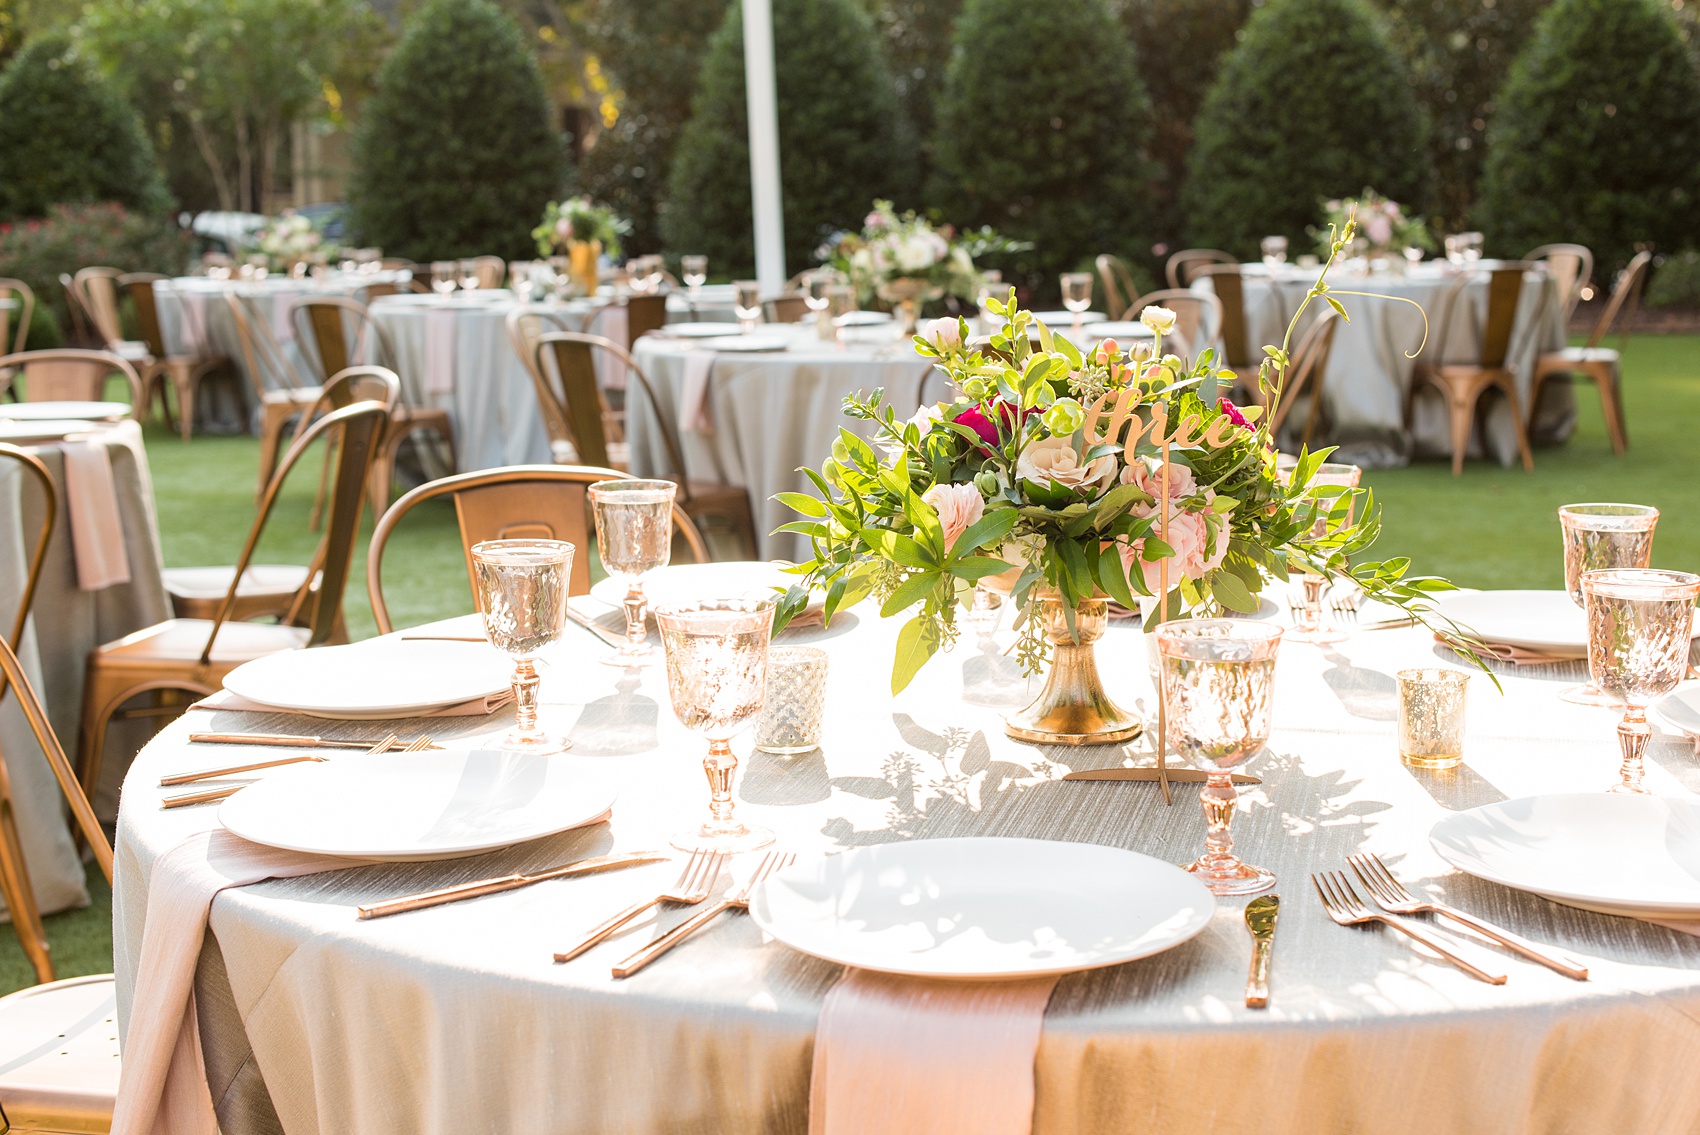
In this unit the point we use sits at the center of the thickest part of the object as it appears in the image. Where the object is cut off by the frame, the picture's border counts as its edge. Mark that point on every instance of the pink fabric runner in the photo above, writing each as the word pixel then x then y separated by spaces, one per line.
pixel 162 1089
pixel 440 351
pixel 97 532
pixel 906 1056
pixel 696 409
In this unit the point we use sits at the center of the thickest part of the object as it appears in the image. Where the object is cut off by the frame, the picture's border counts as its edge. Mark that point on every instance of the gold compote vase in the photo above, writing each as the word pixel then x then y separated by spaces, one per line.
pixel 1073 708
pixel 906 294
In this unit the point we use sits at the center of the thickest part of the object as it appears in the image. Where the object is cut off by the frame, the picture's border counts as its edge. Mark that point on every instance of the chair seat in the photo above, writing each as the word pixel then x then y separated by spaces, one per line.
pixel 214 582
pixel 59 1057
pixel 1580 355
pixel 132 351
pixel 181 640
pixel 303 396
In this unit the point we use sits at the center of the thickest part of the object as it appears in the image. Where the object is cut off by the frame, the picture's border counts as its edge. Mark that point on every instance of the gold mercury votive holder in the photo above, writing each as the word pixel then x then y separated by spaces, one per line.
pixel 1431 717
pixel 792 713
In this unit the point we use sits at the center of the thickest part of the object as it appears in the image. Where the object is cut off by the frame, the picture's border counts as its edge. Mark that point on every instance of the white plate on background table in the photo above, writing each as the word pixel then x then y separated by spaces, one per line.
pixel 1680 709
pixel 863 318
pixel 982 908
pixel 697 330
pixel 683 583
pixel 379 678
pixel 1116 329
pixel 1617 854
pixel 24 433
pixel 1065 319
pixel 748 343
pixel 1537 620
pixel 439 804
pixel 64 411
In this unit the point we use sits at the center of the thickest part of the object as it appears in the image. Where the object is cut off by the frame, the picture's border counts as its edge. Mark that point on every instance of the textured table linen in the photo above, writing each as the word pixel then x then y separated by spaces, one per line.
pixel 67 622
pixel 770 412
pixel 1368 371
pixel 456 1019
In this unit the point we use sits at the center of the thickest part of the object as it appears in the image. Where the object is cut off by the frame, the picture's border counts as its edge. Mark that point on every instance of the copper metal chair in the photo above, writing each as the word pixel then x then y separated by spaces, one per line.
pixel 1183 265
pixel 1601 364
pixel 26 311
pixel 1571 265
pixel 785 309
pixel 1117 278
pixel 537 502
pixel 69 374
pixel 492 271
pixel 1463 384
pixel 1236 354
pixel 1199 316
pixel 1304 377
pixel 183 372
pixel 325 321
pixel 79 334
pixel 193 655
pixel 705 502
pixel 32 466
pixel 525 326
pixel 292 397
pixel 98 290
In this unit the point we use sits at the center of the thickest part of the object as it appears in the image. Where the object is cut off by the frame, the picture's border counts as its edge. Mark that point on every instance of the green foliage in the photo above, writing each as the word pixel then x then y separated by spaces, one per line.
pixel 653 51
pixel 842 142
pixel 1676 282
pixel 76 236
pixel 1459 51
pixel 1314 103
pixel 1042 130
pixel 1190 37
pixel 917 36
pixel 66 136
pixel 457 155
pixel 1597 139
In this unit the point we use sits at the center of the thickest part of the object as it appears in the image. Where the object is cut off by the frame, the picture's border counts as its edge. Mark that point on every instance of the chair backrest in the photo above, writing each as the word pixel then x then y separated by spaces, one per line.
pixel 357 384
pixel 1230 289
pixel 1571 266
pixel 492 271
pixel 325 322
pixel 644 314
pixel 396 264
pixel 523 332
pixel 26 311
pixel 97 288
pixel 69 374
pixel 785 309
pixel 33 468
pixel 574 355
pixel 80 335
pixel 1117 278
pixel 1198 316
pixel 260 350
pixel 139 287
pixel 1183 265
pixel 1505 286
pixel 1309 364
pixel 359 431
pixel 1625 298
pixel 545 502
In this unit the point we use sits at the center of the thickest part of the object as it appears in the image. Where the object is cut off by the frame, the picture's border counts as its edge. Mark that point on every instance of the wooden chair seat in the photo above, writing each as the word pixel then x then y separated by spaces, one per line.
pixel 266 589
pixel 176 640
pixel 1554 361
pixel 59 1058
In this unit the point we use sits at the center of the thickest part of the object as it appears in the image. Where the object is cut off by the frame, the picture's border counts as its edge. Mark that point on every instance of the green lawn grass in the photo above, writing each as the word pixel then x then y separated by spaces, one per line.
pixel 1493 527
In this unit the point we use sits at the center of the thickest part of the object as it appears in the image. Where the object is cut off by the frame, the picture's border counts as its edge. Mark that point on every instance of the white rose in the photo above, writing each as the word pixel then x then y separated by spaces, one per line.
pixel 959 507
pixel 944 334
pixel 1053 460
pixel 1160 320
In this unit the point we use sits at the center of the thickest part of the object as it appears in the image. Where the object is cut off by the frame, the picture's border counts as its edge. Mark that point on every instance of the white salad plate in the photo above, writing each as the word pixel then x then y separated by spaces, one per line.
pixel 438 804
pixel 685 583
pixel 1680 709
pixel 863 318
pixel 379 678
pixel 1116 329
pixel 1618 854
pixel 697 330
pixel 1065 319
pixel 64 411
pixel 748 343
pixel 982 908
pixel 1535 620
pixel 23 433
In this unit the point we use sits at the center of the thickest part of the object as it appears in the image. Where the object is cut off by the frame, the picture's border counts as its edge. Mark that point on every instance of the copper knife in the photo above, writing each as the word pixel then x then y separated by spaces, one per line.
pixel 508 883
pixel 1150 772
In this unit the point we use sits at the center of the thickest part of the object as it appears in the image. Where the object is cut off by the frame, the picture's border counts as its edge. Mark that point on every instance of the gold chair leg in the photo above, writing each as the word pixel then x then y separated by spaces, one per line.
pixel 1463 414
pixel 185 380
pixel 1518 429
pixel 1605 377
pixel 272 420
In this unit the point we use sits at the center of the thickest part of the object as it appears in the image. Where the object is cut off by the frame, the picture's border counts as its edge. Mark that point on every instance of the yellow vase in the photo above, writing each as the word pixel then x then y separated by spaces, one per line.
pixel 582 256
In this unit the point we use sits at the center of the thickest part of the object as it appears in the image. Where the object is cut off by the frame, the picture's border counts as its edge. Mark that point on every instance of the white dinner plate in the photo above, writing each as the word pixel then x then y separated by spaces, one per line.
pixel 982 908
pixel 1618 854
pixel 23 433
pixel 1116 329
pixel 697 330
pixel 863 318
pixel 1537 620
pixel 748 343
pixel 1680 709
pixel 387 677
pixel 415 806
pixel 1065 319
pixel 64 411
pixel 682 583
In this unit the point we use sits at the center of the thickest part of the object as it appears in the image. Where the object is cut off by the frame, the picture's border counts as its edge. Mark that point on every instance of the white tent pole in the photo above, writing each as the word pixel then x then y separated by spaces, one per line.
pixel 763 103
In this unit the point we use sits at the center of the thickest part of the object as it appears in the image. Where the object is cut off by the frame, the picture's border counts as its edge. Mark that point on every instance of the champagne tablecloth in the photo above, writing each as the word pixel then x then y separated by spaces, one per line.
pixel 66 624
pixel 456 1019
pixel 1369 373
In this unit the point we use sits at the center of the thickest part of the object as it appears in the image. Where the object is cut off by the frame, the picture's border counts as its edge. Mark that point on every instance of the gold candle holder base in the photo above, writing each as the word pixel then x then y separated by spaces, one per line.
pixel 1073 708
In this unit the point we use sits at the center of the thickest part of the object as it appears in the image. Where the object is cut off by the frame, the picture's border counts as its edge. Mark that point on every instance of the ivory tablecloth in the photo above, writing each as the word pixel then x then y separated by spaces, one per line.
pixel 456 1019
pixel 771 412
pixel 1369 373
pixel 65 625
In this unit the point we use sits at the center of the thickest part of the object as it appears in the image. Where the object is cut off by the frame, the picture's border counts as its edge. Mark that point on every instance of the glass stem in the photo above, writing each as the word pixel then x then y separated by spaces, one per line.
pixel 637 633
pixel 719 765
pixel 525 696
pixel 1313 585
pixel 1632 734
pixel 1217 798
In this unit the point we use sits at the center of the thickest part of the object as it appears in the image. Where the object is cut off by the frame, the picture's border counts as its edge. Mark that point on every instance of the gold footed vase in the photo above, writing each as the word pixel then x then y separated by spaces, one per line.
pixel 1073 708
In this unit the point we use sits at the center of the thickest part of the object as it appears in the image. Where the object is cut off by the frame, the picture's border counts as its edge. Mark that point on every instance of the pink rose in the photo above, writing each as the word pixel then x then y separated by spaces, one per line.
pixel 1198 550
pixel 975 419
pixel 945 335
pixel 1182 483
pixel 959 507
pixel 1379 230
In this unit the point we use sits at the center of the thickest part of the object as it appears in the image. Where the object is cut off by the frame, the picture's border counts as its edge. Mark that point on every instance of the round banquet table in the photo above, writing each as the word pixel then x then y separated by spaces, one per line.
pixel 767 413
pixel 1369 373
pixel 455 1018
pixel 67 622
pixel 456 354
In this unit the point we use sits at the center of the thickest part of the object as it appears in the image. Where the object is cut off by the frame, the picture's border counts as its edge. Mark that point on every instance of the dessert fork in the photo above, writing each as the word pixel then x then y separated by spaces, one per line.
pixel 1344 906
pixel 696 880
pixel 740 898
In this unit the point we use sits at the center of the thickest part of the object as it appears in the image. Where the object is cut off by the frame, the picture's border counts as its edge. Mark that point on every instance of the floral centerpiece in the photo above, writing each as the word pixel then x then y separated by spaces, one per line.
pixel 288 238
pixel 1383 229
pixel 1072 478
pixel 905 260
pixel 583 231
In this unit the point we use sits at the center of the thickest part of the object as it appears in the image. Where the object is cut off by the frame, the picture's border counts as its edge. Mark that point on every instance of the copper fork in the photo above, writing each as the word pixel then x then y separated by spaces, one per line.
pixel 696 880
pixel 211 795
pixel 739 899
pixel 1344 906
pixel 1391 895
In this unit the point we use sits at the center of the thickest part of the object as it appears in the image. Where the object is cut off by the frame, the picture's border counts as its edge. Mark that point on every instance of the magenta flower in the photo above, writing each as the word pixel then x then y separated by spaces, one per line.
pixel 1232 413
pixel 976 420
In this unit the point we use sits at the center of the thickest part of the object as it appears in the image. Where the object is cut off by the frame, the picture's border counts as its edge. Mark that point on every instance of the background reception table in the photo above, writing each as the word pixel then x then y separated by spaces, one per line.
pixel 66 624
pixel 768 413
pixel 1369 373
pixel 456 1019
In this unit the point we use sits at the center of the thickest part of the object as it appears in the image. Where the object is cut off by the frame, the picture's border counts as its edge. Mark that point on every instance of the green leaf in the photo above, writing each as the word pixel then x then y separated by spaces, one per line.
pixel 991 528
pixel 976 568
pixel 801 502
pixel 1232 592
pixel 916 642
pixel 1112 577
pixel 1338 307
pixel 898 548
pixel 1079 574
pixel 910 592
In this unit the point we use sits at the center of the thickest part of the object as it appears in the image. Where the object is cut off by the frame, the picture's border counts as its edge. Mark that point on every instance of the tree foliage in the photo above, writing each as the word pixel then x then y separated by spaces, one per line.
pixel 70 237
pixel 842 142
pixel 457 155
pixel 1314 103
pixel 66 136
pixel 917 37
pixel 1039 145
pixel 1597 139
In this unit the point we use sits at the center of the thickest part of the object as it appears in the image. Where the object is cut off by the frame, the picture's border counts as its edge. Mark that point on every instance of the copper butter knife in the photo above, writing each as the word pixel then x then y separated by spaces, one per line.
pixel 508 883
